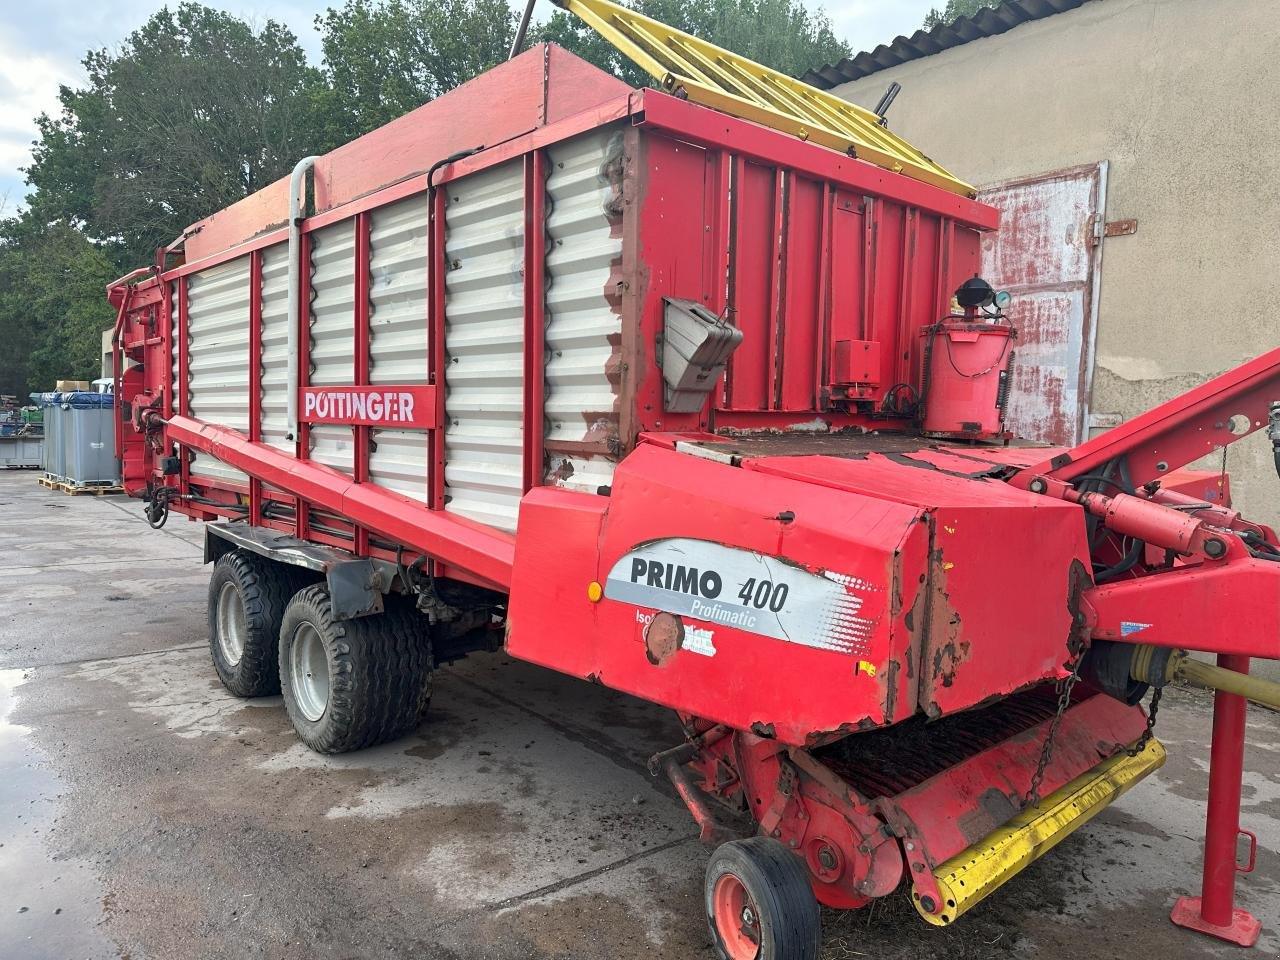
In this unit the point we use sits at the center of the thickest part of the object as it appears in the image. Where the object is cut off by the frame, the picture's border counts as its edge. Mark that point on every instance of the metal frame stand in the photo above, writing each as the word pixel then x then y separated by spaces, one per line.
pixel 1214 911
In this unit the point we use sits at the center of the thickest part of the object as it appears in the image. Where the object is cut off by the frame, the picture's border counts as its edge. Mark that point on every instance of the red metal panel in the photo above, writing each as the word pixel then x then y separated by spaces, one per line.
pixel 672 238
pixel 927 298
pixel 1042 558
pixel 800 310
pixel 796 691
pixel 1182 608
pixel 849 248
pixel 777 285
pixel 536 88
pixel 751 271
pixel 887 263
pixel 700 124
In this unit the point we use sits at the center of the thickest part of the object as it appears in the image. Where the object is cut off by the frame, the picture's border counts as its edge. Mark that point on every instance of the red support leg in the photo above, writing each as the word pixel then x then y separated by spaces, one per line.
pixel 1214 912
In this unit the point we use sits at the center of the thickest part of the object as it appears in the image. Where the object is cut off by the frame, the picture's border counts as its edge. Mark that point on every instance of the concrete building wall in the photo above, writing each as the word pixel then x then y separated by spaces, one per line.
pixel 1181 96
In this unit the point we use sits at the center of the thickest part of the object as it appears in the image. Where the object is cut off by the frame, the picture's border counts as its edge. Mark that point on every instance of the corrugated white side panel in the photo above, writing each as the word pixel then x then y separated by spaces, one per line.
pixel 398 335
pixel 218 355
pixel 484 289
pixel 275 347
pixel 398 292
pixel 584 329
pixel 332 333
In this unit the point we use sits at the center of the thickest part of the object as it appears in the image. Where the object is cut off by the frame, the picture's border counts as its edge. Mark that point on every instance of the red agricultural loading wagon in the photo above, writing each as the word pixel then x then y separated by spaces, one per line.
pixel 687 402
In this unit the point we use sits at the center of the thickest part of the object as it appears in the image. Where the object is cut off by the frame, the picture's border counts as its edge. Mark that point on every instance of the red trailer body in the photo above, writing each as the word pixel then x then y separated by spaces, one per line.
pixel 475 399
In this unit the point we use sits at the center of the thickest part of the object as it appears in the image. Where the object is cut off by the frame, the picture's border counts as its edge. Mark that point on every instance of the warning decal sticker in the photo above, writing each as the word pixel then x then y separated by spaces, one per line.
pixel 746 591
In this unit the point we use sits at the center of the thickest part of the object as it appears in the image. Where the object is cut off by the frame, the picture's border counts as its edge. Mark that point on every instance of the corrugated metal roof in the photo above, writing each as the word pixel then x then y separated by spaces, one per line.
pixel 987 22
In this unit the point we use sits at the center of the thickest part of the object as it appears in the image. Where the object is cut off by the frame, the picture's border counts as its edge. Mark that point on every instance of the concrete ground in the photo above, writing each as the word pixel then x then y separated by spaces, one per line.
pixel 144 813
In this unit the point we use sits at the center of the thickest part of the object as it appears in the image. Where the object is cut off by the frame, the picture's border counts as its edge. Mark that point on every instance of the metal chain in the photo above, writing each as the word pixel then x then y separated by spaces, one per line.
pixel 1141 743
pixel 1065 686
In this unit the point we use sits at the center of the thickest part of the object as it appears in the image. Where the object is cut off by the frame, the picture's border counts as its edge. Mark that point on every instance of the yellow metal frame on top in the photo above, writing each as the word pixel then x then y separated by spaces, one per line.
pixel 716 78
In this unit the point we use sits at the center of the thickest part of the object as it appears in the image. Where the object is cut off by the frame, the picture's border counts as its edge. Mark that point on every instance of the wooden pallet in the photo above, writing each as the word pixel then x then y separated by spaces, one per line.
pixel 50 481
pixel 92 490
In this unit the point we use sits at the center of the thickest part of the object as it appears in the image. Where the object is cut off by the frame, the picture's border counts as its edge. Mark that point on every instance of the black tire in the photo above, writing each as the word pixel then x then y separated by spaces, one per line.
pixel 784 922
pixel 259 590
pixel 378 672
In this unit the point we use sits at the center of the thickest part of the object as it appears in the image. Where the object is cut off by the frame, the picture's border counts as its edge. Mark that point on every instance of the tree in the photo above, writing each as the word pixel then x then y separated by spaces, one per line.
pixel 782 34
pixel 53 306
pixel 382 60
pixel 195 110
pixel 954 10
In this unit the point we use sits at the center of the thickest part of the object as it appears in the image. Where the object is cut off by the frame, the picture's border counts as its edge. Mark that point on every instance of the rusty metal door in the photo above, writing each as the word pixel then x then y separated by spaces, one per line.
pixel 1048 255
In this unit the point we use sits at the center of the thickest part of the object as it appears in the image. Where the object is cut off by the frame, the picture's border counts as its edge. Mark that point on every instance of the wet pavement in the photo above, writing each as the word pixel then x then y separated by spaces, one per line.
pixel 145 813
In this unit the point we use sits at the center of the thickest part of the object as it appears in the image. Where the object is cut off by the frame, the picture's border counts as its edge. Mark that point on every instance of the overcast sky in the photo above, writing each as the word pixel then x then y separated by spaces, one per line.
pixel 42 43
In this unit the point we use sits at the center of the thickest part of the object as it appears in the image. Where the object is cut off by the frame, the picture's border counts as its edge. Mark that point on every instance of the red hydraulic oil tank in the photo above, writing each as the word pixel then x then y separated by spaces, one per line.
pixel 966 377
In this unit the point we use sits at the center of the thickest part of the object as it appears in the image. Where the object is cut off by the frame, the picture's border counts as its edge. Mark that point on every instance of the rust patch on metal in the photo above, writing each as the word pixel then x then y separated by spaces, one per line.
pixel 949 656
pixel 949 651
pixel 1078 581
pixel 663 636
pixel 891 689
pixel 601 429
pixel 907 460
pixel 763 730
pixel 993 810
pixel 561 469
pixel 942 644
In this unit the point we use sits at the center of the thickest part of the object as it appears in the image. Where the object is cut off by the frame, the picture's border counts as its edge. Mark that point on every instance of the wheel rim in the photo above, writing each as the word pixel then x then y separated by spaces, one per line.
pixel 736 918
pixel 231 623
pixel 309 672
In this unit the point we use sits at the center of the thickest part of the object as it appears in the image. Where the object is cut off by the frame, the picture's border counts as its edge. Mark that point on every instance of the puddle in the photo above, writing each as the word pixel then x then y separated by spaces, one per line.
pixel 49 906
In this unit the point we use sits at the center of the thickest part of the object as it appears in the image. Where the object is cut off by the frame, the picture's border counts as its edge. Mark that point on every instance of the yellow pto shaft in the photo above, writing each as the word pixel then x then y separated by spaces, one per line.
pixel 976 873
pixel 1182 667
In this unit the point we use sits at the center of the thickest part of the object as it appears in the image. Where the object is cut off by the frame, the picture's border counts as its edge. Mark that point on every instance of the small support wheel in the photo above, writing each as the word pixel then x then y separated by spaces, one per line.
pixel 759 903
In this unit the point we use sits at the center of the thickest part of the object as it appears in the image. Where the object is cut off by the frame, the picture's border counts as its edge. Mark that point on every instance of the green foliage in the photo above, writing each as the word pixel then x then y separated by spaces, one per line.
pixel 954 10
pixel 781 34
pixel 53 305
pixel 383 59
pixel 194 111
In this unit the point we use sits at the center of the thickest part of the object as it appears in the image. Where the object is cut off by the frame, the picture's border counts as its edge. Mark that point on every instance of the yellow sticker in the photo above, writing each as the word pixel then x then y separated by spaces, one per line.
pixel 594 591
pixel 867 667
